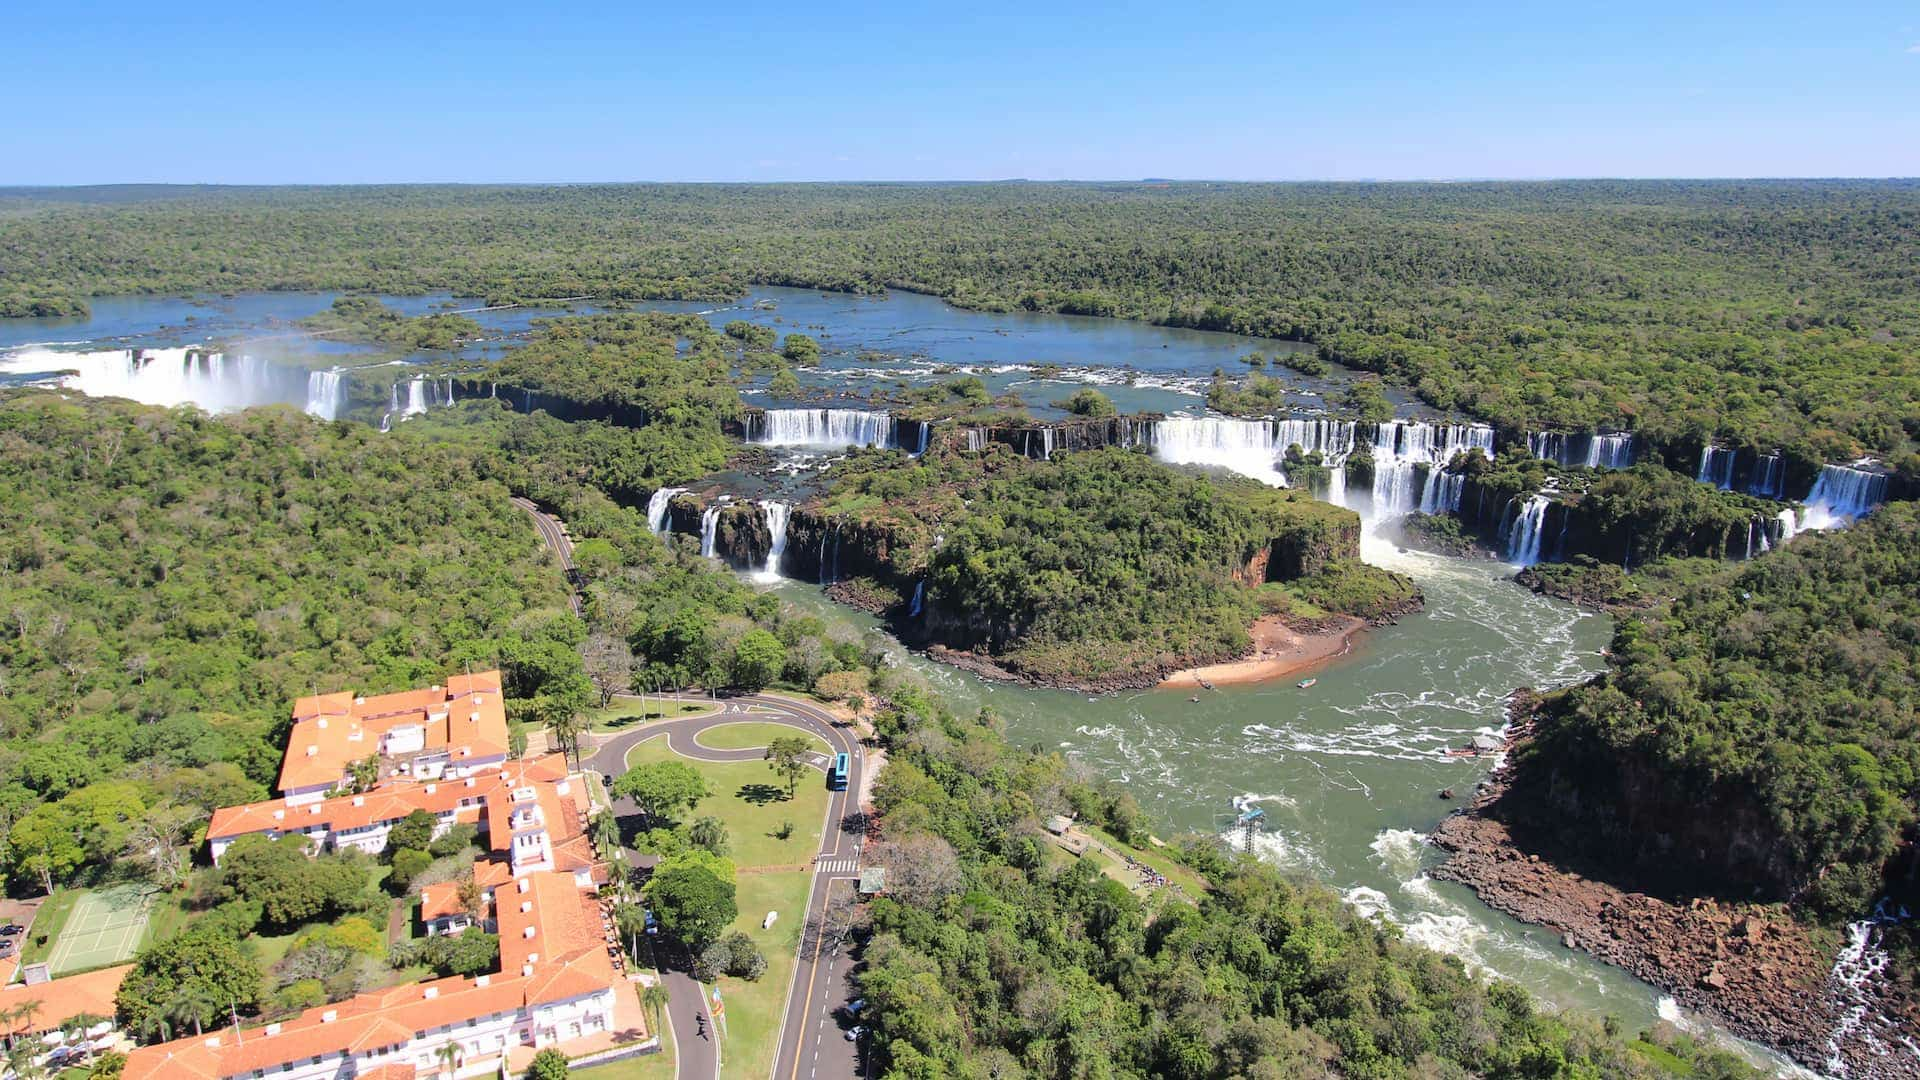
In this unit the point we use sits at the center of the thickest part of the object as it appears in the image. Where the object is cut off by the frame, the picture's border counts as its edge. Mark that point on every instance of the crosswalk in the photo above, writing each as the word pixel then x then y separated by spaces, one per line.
pixel 837 866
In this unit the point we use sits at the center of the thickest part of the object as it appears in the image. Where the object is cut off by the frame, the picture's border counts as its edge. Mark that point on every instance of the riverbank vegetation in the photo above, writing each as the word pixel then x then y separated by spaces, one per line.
pixel 1762 313
pixel 1758 732
pixel 995 958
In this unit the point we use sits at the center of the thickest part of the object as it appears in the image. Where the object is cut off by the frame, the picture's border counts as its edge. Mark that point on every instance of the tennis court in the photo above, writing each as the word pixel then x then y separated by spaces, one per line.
pixel 105 928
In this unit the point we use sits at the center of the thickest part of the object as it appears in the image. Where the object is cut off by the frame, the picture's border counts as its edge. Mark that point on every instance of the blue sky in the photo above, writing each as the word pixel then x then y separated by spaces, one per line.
pixel 400 92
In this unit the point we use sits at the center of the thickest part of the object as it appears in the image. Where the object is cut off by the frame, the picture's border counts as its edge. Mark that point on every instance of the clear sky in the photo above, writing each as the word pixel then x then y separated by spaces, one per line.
pixel 400 92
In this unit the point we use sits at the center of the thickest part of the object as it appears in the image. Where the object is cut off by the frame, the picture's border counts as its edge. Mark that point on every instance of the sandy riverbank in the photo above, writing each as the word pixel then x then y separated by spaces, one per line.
pixel 1278 651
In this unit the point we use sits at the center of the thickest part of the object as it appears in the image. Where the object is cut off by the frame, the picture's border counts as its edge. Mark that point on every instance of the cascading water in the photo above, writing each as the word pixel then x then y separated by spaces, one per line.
pixel 1592 451
pixel 1843 493
pixel 1247 447
pixel 416 398
pixel 822 427
pixel 777 514
pixel 323 394
pixel 657 507
pixel 1046 443
pixel 1855 982
pixel 1789 525
pixel 976 440
pixel 1716 466
pixel 1765 479
pixel 709 528
pixel 188 375
pixel 1402 447
pixel 919 591
pixel 1523 536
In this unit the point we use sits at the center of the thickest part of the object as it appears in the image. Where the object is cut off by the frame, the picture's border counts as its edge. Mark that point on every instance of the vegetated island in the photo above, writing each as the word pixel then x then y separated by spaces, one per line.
pixel 1098 570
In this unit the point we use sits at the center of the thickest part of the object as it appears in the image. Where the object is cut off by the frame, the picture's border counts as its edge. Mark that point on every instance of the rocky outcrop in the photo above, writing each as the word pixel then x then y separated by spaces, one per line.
pixel 1748 965
pixel 1040 441
pixel 526 400
pixel 1309 547
pixel 828 549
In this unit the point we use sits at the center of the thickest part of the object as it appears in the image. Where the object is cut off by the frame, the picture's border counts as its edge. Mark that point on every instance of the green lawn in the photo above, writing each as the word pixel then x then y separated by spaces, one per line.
pixel 658 1066
pixel 754 1008
pixel 47 924
pixel 753 735
pixel 624 713
pixel 753 802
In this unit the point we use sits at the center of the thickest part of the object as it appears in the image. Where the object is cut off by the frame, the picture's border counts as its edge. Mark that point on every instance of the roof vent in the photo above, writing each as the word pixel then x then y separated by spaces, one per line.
pixel 482 980
pixel 469 781
pixel 430 992
pixel 474 717
pixel 526 969
pixel 213 1042
pixel 476 699
pixel 323 723
pixel 523 884
pixel 329 1016
pixel 312 750
pixel 359 800
pixel 431 788
pixel 273 1028
pixel 360 699
pixel 526 905
pixel 278 814
pixel 527 933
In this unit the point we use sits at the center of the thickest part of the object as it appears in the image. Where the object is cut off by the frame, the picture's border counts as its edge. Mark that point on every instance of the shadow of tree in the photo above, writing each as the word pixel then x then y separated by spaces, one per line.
pixel 761 794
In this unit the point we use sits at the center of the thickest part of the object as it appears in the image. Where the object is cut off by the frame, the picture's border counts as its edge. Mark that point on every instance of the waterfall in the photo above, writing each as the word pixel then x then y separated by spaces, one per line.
pixel 1789 525
pixel 323 394
pixel 416 398
pixel 1842 493
pixel 777 514
pixel 1861 964
pixel 1400 447
pixel 926 432
pixel 822 427
pixel 1247 447
pixel 709 527
pixel 1594 451
pixel 1716 466
pixel 657 507
pixel 976 440
pixel 1046 443
pixel 393 408
pixel 1523 537
pixel 919 590
pixel 187 375
pixel 1765 479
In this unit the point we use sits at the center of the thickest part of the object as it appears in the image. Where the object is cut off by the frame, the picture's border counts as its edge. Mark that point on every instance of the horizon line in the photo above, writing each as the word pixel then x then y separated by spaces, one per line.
pixel 871 182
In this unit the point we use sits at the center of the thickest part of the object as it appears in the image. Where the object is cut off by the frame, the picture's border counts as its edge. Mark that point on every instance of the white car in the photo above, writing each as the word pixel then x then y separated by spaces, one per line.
pixel 856 1031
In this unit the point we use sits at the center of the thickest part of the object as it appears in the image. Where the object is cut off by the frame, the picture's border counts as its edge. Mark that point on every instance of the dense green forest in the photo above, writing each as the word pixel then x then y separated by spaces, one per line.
pixel 1107 561
pixel 363 318
pixel 1006 959
pixel 1770 313
pixel 1759 730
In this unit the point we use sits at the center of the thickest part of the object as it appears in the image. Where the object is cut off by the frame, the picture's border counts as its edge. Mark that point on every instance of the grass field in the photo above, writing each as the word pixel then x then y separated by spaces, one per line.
pixel 48 923
pixel 753 802
pixel 753 735
pixel 754 1008
pixel 624 713
pixel 104 927
pixel 658 1066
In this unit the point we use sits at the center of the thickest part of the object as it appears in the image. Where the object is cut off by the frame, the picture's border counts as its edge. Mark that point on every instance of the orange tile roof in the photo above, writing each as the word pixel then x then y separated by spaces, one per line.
pixel 467 717
pixel 60 1000
pixel 390 801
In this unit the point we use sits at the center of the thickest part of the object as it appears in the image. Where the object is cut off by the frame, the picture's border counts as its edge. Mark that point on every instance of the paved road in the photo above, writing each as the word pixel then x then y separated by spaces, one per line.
pixel 811 1043
pixel 554 535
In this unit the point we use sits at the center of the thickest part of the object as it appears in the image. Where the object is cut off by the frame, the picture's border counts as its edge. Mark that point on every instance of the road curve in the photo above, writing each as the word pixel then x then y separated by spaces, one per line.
pixel 810 1042
pixel 554 535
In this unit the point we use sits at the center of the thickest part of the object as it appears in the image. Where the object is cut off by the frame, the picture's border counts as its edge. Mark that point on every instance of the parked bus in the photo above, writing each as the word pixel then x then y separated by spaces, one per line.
pixel 837 775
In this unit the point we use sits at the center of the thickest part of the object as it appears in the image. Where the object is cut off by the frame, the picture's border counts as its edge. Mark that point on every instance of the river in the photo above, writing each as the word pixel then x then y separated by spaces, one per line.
pixel 1347 771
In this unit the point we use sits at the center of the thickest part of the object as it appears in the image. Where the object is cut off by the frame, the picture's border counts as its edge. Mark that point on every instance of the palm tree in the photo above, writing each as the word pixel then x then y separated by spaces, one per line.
pixel 654 999
pixel 449 1055
pixel 606 832
pixel 192 1002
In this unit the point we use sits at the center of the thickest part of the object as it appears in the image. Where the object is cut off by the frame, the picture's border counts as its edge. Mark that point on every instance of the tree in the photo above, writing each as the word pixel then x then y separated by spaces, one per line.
pixel 604 827
pixel 562 717
pixel 692 894
pixel 654 999
pixel 408 864
pixel 548 1064
pixel 46 844
pixel 801 350
pixel 609 662
pixel 363 774
pixel 204 965
pixel 758 660
pixel 922 869
pixel 710 833
pixel 631 919
pixel 413 833
pixel 1089 403
pixel 663 789
pixel 787 756
pixel 162 841
pixel 290 887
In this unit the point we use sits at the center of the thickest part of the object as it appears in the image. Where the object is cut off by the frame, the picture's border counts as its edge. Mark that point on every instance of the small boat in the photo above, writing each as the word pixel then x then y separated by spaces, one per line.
pixel 1194 698
pixel 1305 684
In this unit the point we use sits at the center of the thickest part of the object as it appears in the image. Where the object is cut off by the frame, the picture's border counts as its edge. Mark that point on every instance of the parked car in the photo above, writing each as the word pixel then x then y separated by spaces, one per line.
pixel 853 1007
pixel 856 1031
pixel 12 929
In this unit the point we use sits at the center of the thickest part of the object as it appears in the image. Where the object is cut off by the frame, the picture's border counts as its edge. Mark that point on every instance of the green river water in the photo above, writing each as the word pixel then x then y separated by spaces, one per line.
pixel 1349 770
